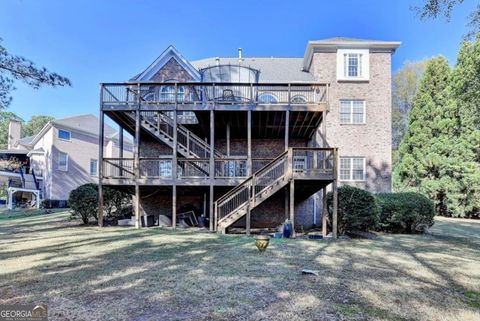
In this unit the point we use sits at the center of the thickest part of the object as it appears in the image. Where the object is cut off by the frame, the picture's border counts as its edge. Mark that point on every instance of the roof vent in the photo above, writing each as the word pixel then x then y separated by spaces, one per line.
pixel 240 59
pixel 217 61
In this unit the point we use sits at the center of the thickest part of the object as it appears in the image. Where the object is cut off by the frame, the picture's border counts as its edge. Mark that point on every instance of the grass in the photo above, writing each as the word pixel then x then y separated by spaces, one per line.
pixel 114 273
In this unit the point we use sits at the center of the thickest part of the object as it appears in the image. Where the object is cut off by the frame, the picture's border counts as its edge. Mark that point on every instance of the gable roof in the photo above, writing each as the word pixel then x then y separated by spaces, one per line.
pixel 87 124
pixel 272 69
pixel 169 53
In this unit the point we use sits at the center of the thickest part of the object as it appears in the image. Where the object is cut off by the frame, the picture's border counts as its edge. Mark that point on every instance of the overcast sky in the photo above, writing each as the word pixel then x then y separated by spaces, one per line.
pixel 105 40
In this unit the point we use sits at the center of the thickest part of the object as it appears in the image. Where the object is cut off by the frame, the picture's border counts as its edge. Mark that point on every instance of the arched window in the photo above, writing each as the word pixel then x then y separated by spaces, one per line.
pixel 149 97
pixel 167 93
pixel 299 99
pixel 267 98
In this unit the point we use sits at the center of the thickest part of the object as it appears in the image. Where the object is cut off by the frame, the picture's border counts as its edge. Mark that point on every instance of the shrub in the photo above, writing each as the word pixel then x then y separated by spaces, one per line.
pixel 407 212
pixel 48 203
pixel 84 201
pixel 357 209
pixel 114 201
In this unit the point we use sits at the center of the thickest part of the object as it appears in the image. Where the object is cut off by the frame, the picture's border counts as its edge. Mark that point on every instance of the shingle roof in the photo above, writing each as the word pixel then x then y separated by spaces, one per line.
pixel 86 123
pixel 273 69
pixel 26 140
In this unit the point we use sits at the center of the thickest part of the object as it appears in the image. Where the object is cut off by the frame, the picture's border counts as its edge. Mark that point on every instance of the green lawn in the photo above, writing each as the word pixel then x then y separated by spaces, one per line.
pixel 114 273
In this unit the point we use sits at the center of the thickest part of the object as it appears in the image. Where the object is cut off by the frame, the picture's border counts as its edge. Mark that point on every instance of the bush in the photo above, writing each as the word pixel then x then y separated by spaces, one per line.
pixel 405 212
pixel 114 201
pixel 84 201
pixel 357 209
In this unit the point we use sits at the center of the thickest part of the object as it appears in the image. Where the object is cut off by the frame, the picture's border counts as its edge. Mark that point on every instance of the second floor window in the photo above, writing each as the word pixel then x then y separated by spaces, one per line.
pixel 352 111
pixel 93 167
pixel 167 93
pixel 64 134
pixel 352 168
pixel 62 163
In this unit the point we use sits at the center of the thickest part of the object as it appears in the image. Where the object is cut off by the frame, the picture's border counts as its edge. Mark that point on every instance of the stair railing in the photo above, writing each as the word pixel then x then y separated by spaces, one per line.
pixel 252 191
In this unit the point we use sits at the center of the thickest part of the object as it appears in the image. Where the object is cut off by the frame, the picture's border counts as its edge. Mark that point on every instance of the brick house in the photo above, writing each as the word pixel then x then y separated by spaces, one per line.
pixel 251 141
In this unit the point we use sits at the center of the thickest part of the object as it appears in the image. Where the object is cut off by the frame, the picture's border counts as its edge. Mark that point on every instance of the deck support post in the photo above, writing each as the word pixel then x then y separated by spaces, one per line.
pixel 324 129
pixel 228 138
pixel 248 220
pixel 212 166
pixel 335 194
pixel 324 211
pixel 211 206
pixel 287 127
pixel 292 205
pixel 249 143
pixel 136 160
pixel 175 162
pixel 100 161
pixel 174 206
pixel 120 147
pixel 287 209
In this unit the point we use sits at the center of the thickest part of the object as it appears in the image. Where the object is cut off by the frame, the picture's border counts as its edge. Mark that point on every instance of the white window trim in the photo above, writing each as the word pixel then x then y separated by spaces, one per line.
pixel 351 170
pixel 90 168
pixel 66 162
pixel 67 131
pixel 365 64
pixel 364 120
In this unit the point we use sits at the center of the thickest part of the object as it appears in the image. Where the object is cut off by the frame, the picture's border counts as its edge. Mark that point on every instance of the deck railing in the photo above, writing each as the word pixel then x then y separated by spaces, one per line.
pixel 218 93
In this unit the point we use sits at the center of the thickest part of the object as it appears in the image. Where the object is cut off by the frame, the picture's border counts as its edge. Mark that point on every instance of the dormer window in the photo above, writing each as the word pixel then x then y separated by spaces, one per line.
pixel 353 64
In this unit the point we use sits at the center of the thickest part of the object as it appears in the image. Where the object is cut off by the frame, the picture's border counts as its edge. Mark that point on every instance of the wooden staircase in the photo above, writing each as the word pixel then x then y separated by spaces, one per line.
pixel 253 191
pixel 161 127
pixel 315 166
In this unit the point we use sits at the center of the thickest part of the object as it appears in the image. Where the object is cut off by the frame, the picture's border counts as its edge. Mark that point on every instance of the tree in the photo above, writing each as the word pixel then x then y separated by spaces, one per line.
pixel 5 117
pixel 405 84
pixel 465 88
pixel 418 167
pixel 35 124
pixel 432 9
pixel 439 155
pixel 19 68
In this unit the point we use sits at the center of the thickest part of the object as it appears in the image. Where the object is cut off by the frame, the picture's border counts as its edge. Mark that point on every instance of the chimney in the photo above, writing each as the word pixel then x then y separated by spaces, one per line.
pixel 14 132
pixel 217 60
pixel 240 59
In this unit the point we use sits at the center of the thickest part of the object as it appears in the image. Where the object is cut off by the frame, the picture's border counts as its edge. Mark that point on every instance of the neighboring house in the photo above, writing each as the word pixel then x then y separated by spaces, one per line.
pixel 61 157
pixel 269 134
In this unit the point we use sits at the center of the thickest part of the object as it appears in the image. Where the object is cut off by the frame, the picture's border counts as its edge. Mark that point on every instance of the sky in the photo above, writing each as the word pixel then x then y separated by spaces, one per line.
pixel 94 41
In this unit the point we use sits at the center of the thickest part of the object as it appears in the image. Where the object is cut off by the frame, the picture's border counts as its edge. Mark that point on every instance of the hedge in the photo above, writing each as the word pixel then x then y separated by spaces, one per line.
pixel 407 212
pixel 357 210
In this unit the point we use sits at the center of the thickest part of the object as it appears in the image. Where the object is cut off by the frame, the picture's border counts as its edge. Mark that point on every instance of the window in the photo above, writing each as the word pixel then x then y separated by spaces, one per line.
pixel 167 93
pixel 93 167
pixel 352 112
pixel 64 134
pixel 353 64
pixel 267 98
pixel 299 164
pixel 298 99
pixel 352 168
pixel 62 163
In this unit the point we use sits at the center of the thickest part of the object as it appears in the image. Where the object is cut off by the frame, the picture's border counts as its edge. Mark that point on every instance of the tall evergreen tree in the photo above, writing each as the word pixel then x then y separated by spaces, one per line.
pixel 419 167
